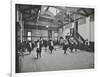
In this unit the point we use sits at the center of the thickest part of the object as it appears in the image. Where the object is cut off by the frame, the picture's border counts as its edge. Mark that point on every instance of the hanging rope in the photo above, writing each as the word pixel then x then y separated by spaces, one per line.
pixel 37 21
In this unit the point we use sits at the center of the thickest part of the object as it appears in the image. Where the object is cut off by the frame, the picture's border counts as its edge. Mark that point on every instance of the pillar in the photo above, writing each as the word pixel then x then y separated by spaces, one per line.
pixel 53 35
pixel 88 28
pixel 64 34
pixel 21 30
pixel 72 29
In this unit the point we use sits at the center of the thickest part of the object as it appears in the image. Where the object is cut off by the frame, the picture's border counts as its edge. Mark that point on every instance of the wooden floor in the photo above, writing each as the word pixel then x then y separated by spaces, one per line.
pixel 56 61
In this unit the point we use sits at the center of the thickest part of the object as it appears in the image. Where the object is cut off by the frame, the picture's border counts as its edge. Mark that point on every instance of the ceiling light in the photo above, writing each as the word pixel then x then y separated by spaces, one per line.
pixel 47 26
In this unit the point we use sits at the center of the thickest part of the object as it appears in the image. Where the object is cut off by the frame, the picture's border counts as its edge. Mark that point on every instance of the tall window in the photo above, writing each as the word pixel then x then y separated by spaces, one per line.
pixel 29 34
pixel 55 35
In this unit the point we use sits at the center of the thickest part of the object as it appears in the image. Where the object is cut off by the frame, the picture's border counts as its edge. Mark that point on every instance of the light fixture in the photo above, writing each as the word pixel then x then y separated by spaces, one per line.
pixel 46 26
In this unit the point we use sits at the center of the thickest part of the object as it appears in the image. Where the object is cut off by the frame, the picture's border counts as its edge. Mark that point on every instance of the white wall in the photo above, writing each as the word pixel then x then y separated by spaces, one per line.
pixel 39 33
pixel 66 29
pixel 36 34
pixel 86 30
pixel 53 35
pixel 92 31
pixel 66 32
pixel 60 33
pixel 83 31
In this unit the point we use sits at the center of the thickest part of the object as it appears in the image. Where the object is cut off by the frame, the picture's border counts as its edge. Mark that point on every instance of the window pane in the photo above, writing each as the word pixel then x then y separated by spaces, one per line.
pixel 29 38
pixel 29 33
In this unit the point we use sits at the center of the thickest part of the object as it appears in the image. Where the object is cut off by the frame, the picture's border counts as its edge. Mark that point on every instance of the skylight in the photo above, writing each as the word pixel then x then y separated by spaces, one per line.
pixel 54 10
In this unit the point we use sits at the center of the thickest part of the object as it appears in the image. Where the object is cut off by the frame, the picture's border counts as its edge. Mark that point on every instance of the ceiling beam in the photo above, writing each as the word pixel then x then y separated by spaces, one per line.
pixel 58 7
pixel 45 19
pixel 68 17
pixel 30 7
pixel 26 12
pixel 80 14
pixel 23 10
pixel 26 17
pixel 75 12
pixel 84 10
pixel 47 8
pixel 39 27
pixel 30 20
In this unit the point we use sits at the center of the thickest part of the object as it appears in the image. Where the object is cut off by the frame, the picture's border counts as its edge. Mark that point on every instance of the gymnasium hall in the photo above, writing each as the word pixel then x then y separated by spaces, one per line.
pixel 53 38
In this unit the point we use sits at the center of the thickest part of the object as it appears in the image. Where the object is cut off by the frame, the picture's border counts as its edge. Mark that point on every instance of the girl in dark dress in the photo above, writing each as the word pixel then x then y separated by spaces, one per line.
pixel 39 48
pixel 33 45
pixel 65 46
pixel 76 45
pixel 51 46
pixel 45 44
pixel 71 44
pixel 29 48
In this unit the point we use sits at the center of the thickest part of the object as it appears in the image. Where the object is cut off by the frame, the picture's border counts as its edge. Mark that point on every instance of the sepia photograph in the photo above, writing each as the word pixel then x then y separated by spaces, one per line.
pixel 53 38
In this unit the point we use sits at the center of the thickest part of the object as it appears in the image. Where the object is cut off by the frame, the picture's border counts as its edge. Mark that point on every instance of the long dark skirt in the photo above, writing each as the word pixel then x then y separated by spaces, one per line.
pixel 38 52
pixel 51 48
pixel 65 47
pixel 71 47
pixel 29 49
